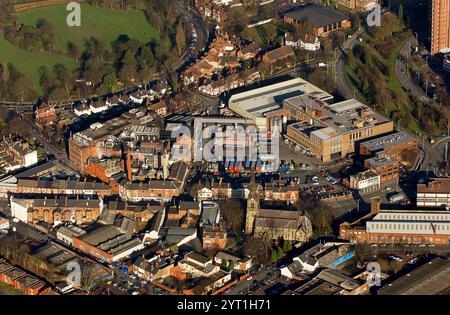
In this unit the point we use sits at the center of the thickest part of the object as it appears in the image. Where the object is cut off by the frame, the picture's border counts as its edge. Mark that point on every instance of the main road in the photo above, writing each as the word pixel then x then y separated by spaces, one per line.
pixel 342 84
pixel 403 75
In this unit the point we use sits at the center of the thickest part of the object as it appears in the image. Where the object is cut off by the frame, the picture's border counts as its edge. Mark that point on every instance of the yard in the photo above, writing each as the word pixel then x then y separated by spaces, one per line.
pixel 5 289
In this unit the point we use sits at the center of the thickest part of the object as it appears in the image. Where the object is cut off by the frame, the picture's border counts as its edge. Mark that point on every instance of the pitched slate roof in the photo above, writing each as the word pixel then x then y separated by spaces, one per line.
pixel 315 14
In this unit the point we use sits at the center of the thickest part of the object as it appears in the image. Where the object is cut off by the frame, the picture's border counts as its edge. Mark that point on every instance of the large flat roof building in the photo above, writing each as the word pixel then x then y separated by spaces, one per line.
pixel 392 144
pixel 330 131
pixel 256 104
pixel 431 278
pixel 399 227
pixel 108 242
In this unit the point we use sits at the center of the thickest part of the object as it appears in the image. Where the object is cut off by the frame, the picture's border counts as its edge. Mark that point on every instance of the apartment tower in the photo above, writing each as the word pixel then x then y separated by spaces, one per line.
pixel 440 25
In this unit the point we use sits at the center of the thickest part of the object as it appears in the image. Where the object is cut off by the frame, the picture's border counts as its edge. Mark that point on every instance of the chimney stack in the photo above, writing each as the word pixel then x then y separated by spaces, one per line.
pixel 375 205
pixel 128 165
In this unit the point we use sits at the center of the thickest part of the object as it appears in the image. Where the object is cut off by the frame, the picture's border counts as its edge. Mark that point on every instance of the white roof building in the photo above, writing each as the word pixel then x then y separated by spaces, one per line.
pixel 256 104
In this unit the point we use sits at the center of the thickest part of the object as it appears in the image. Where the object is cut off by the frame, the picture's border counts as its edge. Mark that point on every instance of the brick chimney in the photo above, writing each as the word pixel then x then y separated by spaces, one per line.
pixel 375 205
pixel 128 165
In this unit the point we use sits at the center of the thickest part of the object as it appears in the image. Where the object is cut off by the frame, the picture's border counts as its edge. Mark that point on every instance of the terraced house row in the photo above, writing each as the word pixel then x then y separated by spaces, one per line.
pixel 22 280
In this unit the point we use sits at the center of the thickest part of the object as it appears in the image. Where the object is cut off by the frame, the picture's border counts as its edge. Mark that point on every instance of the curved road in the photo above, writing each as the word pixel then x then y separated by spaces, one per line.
pixel 196 44
pixel 342 84
pixel 404 77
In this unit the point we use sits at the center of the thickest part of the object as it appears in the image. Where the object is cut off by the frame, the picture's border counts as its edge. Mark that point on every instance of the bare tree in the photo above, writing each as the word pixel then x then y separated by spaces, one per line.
pixel 362 253
pixel 395 266
pixel 233 213
pixel 257 248
pixel 88 278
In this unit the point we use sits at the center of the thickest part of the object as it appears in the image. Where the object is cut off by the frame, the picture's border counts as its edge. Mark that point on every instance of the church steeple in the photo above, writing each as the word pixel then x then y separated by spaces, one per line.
pixel 252 205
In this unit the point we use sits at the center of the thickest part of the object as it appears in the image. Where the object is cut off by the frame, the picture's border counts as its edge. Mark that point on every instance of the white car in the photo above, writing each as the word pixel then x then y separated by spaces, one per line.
pixel 135 293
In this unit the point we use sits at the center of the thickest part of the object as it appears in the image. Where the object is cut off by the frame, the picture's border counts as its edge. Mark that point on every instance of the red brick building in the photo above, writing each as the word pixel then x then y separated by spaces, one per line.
pixel 387 167
pixel 214 237
pixel 280 192
pixel 156 190
pixel 45 115
pixel 61 187
pixel 21 280
pixel 399 227
pixel 440 25
pixel 284 54
pixel 104 169
pixel 392 145
pixel 323 19
pixel 56 210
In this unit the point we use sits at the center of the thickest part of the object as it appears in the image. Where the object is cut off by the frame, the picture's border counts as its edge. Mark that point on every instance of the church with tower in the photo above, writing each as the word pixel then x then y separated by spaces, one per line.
pixel 287 224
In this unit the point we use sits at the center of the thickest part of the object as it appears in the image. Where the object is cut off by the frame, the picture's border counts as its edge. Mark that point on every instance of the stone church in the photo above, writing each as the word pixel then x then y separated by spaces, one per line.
pixel 288 224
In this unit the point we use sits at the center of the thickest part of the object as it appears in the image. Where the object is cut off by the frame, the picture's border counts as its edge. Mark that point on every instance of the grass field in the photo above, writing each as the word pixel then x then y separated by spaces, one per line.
pixel 101 23
pixel 28 63
pixel 104 24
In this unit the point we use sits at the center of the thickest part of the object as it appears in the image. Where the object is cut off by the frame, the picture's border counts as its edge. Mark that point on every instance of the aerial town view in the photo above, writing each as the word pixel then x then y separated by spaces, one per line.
pixel 224 148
